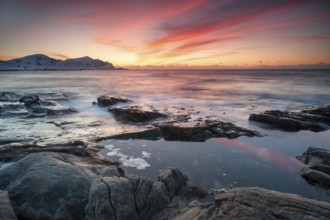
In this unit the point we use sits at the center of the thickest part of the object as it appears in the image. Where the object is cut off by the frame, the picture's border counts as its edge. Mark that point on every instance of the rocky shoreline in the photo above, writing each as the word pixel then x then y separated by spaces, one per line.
pixel 72 181
pixel 58 184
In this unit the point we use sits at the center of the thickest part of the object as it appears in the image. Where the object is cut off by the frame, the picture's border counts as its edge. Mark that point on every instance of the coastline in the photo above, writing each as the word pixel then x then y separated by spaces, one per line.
pixel 51 163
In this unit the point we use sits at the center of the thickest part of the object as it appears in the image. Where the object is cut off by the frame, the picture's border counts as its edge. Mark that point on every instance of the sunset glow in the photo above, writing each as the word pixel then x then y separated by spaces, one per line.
pixel 228 33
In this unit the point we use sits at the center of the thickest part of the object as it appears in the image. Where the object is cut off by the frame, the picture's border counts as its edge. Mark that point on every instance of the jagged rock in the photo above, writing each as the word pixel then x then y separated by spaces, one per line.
pixel 174 180
pixel 108 100
pixel 199 133
pixel 134 114
pixel 31 106
pixel 202 132
pixel 250 203
pixel 41 112
pixel 31 100
pixel 51 185
pixel 8 97
pixel 317 171
pixel 6 210
pixel 313 118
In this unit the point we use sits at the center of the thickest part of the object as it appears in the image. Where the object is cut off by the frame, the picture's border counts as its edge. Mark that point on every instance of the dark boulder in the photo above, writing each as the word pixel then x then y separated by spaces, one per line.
pixel 151 134
pixel 317 171
pixel 314 118
pixel 134 114
pixel 198 133
pixel 202 132
pixel 108 100
pixel 8 97
pixel 31 101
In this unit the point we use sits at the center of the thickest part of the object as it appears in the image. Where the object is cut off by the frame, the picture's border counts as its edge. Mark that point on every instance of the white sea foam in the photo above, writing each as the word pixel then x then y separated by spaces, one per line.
pixel 146 154
pixel 129 161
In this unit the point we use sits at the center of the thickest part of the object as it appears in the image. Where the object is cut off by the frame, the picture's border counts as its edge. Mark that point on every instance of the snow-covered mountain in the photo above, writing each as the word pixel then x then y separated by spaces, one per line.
pixel 43 62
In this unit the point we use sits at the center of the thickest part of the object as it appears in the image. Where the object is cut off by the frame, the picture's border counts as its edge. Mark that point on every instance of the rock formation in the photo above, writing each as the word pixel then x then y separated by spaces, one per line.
pixel 317 171
pixel 312 118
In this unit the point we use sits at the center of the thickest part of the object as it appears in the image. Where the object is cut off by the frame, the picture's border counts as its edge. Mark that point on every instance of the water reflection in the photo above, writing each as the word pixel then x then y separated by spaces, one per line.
pixel 229 95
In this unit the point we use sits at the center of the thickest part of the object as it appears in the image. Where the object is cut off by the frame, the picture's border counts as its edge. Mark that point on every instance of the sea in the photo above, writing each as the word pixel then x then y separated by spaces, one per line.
pixel 229 95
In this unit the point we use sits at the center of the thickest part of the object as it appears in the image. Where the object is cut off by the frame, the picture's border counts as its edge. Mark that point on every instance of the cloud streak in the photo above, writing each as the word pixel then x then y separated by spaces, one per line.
pixel 152 31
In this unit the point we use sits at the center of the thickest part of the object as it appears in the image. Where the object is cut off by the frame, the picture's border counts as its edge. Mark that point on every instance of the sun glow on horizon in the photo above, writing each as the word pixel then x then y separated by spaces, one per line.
pixel 169 33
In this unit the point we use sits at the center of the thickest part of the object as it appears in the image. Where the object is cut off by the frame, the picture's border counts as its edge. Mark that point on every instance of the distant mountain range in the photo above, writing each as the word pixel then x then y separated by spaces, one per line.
pixel 43 62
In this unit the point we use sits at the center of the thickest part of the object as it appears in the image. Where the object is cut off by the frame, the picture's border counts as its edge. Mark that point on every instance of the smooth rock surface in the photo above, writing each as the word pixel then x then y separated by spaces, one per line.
pixel 250 203
pixel 317 171
pixel 51 185
pixel 313 118
pixel 6 210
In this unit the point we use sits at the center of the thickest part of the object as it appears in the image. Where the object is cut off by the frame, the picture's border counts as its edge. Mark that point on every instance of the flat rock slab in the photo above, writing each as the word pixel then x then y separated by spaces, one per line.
pixel 313 118
pixel 250 203
pixel 135 114
pixel 109 100
pixel 317 171
pixel 52 185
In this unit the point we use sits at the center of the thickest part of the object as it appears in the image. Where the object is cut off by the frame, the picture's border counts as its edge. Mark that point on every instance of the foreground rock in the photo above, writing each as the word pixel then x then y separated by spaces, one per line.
pixel 57 185
pixel 6 210
pixel 51 185
pixel 250 203
pixel 135 114
pixel 198 133
pixel 317 171
pixel 108 100
pixel 313 118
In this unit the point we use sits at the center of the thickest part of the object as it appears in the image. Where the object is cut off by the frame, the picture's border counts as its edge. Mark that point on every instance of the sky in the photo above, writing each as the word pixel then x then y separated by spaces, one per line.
pixel 225 33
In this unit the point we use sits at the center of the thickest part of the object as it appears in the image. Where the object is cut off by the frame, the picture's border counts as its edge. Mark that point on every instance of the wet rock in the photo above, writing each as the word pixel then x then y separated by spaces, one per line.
pixel 198 133
pixel 13 110
pixel 202 132
pixel 108 100
pixel 30 106
pixel 78 148
pixel 8 97
pixel 152 134
pixel 41 112
pixel 53 185
pixel 250 203
pixel 31 100
pixel 313 118
pixel 317 171
pixel 6 210
pixel 135 114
